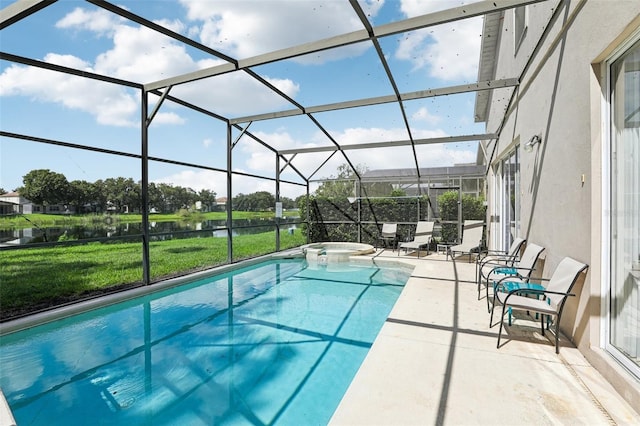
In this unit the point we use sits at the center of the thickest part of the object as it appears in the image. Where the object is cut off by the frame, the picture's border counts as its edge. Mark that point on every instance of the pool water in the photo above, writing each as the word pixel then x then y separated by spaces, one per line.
pixel 274 343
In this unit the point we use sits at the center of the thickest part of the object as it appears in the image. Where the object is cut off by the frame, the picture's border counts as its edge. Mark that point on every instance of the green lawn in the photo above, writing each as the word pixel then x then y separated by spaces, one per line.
pixel 37 278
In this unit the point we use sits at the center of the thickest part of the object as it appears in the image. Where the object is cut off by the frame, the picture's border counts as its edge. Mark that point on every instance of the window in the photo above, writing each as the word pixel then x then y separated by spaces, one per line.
pixel 519 26
pixel 624 293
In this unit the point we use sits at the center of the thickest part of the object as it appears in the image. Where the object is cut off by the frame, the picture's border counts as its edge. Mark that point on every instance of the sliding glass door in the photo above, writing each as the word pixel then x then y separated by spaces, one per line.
pixel 508 201
pixel 624 292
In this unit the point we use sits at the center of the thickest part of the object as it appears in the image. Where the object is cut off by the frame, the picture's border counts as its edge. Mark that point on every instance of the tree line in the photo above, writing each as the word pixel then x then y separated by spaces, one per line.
pixel 46 187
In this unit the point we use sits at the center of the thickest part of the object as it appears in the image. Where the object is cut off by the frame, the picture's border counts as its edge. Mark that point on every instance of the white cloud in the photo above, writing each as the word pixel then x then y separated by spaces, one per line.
pixel 449 51
pixel 248 28
pixel 143 55
pixel 424 115
pixel 168 118
pixel 139 54
pixel 236 94
pixel 99 21
pixel 111 105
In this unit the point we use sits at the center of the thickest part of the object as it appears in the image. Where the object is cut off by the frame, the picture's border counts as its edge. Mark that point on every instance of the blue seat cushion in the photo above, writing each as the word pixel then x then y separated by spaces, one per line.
pixel 510 286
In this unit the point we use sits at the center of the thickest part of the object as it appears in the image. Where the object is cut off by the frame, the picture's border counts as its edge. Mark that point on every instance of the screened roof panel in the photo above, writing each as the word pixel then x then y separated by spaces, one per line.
pixel 300 71
pixel 235 94
pixel 86 37
pixel 439 155
pixel 338 75
pixel 383 158
pixel 297 131
pixel 450 115
pixel 319 165
pixel 442 55
pixel 376 123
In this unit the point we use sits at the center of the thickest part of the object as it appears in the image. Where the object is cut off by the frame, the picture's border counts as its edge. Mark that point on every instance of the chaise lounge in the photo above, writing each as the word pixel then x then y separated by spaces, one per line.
pixel 422 238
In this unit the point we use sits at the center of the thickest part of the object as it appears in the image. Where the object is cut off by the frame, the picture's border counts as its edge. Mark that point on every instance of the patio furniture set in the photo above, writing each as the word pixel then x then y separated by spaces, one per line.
pixel 506 276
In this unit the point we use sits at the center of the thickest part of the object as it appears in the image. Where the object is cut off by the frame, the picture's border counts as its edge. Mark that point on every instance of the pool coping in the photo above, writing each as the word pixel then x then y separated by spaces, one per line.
pixel 6 416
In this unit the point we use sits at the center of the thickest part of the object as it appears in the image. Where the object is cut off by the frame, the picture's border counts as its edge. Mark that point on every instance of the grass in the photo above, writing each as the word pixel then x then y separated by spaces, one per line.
pixel 38 278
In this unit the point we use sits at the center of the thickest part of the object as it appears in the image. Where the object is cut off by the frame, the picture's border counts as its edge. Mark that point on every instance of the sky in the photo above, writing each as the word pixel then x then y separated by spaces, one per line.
pixel 66 108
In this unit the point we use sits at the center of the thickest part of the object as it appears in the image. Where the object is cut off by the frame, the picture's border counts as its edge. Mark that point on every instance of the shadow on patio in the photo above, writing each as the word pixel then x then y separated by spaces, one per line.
pixel 435 362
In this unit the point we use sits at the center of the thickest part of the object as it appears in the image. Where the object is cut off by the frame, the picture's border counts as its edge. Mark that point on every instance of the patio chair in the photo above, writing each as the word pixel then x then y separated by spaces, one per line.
pixel 521 269
pixel 492 258
pixel 472 232
pixel 389 234
pixel 422 238
pixel 551 299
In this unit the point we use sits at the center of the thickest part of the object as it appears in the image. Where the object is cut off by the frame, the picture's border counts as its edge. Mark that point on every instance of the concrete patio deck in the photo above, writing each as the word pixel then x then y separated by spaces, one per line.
pixel 435 361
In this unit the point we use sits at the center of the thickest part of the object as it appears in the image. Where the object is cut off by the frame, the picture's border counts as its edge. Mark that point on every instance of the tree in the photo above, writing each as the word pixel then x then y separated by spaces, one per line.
pixel 255 202
pixel 42 186
pixel 83 195
pixel 123 194
pixel 101 198
pixel 287 203
pixel 472 209
pixel 154 198
pixel 262 201
pixel 207 198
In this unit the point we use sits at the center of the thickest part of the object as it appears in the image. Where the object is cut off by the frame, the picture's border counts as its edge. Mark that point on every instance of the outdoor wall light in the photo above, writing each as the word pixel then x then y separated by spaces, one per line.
pixel 535 139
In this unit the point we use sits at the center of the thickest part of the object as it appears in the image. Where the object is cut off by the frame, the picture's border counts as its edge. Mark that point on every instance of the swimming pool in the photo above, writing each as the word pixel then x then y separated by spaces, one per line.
pixel 275 343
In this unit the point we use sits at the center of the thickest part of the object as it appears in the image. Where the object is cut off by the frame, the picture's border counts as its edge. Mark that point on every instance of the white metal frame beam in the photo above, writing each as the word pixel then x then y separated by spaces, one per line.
pixel 379 100
pixel 445 139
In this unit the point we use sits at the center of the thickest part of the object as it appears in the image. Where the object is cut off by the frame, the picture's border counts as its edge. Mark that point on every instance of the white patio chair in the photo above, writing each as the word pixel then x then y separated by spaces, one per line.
pixel 422 238
pixel 492 258
pixel 522 269
pixel 389 234
pixel 551 299
pixel 472 233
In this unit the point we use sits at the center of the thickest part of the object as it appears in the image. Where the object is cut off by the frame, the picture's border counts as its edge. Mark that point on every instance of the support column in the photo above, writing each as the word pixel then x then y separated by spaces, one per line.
pixel 144 202
pixel 229 191
pixel 277 201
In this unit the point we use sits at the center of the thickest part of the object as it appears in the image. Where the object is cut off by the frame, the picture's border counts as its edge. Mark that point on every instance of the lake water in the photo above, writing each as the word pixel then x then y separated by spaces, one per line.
pixel 43 234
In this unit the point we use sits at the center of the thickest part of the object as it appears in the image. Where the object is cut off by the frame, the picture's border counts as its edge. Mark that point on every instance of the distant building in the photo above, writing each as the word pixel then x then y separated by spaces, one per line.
pixel 432 181
pixel 14 203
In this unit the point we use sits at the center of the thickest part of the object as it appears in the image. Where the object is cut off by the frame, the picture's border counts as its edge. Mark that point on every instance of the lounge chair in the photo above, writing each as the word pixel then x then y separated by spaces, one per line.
pixel 492 258
pixel 521 269
pixel 472 232
pixel 550 300
pixel 422 238
pixel 389 234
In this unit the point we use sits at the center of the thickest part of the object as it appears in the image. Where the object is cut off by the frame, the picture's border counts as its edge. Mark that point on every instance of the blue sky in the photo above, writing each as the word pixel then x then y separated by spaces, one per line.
pixel 71 109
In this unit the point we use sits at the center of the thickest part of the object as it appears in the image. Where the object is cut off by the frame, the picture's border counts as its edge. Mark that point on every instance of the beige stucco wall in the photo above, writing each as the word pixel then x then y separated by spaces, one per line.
pixel 560 98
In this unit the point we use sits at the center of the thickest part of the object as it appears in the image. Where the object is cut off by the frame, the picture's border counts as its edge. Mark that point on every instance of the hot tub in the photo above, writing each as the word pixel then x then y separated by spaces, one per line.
pixel 332 252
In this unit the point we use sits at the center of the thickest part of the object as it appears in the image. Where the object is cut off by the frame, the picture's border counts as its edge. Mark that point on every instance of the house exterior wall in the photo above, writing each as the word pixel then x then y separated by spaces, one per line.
pixel 23 206
pixel 561 99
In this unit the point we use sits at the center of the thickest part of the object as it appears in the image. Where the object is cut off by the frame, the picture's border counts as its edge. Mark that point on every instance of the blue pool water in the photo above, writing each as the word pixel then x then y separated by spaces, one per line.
pixel 275 343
